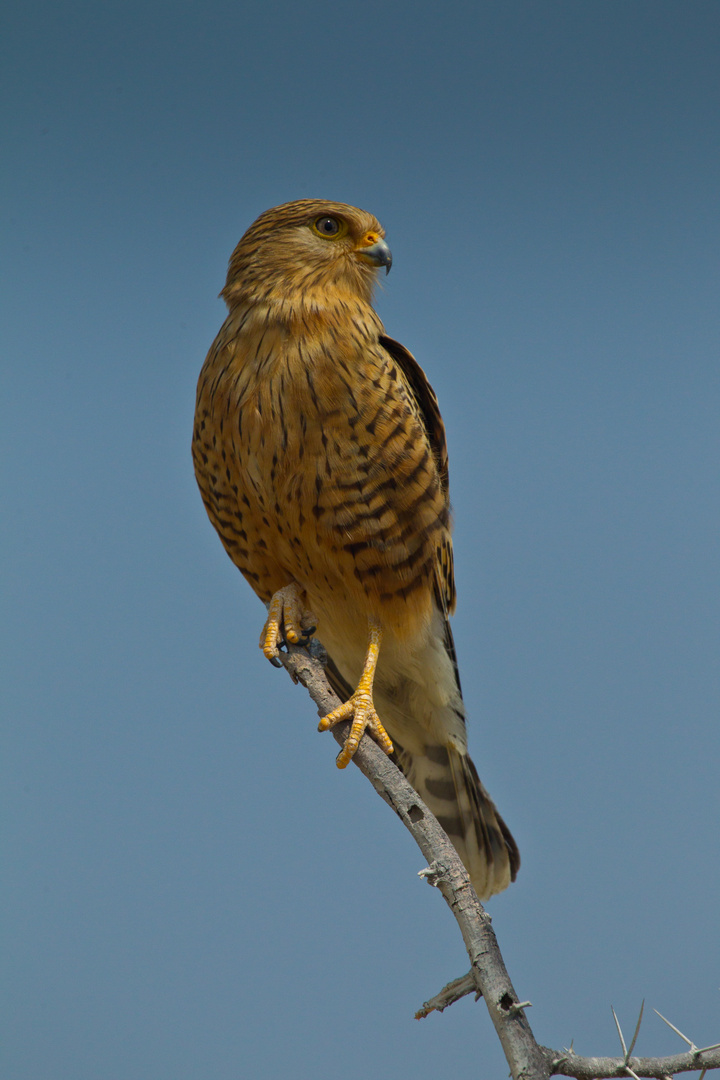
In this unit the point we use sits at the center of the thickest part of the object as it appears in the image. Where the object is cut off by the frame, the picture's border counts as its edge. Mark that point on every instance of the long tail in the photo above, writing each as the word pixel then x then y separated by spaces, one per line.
pixel 447 781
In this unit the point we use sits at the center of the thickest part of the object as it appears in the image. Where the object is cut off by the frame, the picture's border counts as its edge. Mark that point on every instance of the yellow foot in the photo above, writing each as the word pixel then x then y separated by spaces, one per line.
pixel 288 621
pixel 361 707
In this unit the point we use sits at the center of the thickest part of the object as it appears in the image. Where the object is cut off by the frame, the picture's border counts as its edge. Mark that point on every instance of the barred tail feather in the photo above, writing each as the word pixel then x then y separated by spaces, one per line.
pixel 447 781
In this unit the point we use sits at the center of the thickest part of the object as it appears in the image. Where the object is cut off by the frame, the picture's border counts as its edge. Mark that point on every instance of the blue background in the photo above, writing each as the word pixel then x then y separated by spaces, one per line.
pixel 194 890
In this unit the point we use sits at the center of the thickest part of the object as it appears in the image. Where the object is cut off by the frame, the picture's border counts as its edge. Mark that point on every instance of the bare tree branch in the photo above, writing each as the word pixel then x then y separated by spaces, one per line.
pixel 449 994
pixel 598 1068
pixel 487 976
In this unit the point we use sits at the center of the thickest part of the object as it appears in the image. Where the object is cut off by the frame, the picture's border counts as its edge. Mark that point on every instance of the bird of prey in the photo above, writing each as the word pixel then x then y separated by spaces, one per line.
pixel 321 458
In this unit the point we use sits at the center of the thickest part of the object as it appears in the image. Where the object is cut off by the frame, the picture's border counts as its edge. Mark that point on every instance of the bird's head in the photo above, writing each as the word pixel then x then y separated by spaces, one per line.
pixel 304 251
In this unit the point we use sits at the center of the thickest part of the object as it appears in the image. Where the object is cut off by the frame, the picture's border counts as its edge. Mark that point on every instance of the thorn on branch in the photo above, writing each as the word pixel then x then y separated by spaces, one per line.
pixel 677 1031
pixel 622 1040
pixel 637 1029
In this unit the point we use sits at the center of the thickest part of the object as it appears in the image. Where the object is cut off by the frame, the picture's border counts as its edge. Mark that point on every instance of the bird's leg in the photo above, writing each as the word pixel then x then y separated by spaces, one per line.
pixel 361 706
pixel 286 615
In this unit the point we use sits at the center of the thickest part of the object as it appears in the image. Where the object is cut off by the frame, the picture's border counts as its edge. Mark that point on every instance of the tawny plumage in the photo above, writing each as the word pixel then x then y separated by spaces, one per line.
pixel 320 454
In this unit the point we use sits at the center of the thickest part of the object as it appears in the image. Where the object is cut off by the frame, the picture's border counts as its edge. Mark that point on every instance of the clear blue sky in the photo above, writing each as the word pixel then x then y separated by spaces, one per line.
pixel 194 890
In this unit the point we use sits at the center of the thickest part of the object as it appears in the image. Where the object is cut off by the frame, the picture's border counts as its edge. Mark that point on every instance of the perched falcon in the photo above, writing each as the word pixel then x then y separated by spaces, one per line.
pixel 321 458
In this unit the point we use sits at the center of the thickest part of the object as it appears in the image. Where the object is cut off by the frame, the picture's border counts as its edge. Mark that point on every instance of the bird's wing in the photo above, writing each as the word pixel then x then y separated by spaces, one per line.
pixel 426 401
pixel 429 409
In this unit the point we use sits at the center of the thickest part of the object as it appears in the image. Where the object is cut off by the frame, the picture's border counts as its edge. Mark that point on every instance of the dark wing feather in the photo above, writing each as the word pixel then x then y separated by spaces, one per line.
pixel 427 403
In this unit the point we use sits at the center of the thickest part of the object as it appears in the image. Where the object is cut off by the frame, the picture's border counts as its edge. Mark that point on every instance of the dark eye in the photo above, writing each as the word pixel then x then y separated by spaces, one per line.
pixel 327 226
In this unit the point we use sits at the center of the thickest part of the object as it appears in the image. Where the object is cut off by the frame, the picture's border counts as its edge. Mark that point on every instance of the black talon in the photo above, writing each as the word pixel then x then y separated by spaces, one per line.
pixel 307 636
pixel 274 661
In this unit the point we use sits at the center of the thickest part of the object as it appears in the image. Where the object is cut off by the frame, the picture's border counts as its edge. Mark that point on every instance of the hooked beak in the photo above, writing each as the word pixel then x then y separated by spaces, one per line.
pixel 378 253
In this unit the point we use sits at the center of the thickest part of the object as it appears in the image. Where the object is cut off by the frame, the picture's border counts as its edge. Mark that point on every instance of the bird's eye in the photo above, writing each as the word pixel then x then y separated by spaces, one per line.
pixel 328 226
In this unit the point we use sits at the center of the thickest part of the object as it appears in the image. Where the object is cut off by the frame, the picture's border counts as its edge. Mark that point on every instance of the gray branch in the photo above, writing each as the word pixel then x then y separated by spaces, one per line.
pixel 598 1068
pixel 488 976
pixel 449 994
